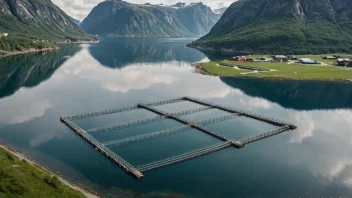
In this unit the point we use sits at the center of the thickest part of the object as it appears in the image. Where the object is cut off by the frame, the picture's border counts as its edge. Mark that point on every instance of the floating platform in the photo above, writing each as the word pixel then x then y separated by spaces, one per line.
pixel 137 171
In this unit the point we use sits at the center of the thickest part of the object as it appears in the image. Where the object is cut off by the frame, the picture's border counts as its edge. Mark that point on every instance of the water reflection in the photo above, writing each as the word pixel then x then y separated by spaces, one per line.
pixel 139 76
pixel 323 141
pixel 302 95
pixel 29 70
pixel 120 52
pixel 18 111
pixel 313 160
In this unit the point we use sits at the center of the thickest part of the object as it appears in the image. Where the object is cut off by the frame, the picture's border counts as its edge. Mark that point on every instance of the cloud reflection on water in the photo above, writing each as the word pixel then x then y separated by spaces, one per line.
pixel 18 111
pixel 323 137
pixel 329 134
pixel 138 76
pixel 322 144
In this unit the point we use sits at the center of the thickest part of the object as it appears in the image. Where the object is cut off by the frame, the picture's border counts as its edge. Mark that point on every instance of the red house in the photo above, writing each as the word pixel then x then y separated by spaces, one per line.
pixel 238 58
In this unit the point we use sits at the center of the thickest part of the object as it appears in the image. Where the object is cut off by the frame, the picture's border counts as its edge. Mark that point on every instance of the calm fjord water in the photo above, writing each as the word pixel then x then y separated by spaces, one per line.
pixel 35 89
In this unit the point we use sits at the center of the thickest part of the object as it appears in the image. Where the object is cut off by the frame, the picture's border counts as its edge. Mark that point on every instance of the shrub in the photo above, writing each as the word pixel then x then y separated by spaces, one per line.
pixel 34 175
pixel 52 181
pixel 9 156
pixel 4 174
pixel 16 187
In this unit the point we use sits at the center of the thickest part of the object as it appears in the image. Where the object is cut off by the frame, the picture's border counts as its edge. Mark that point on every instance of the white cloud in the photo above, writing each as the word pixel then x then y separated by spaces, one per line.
pixel 132 80
pixel 79 9
pixel 325 140
pixel 41 138
pixel 322 142
pixel 124 80
pixel 338 167
pixel 137 76
pixel 305 129
pixel 348 183
pixel 19 111
pixel 312 121
pixel 24 106
pixel 256 103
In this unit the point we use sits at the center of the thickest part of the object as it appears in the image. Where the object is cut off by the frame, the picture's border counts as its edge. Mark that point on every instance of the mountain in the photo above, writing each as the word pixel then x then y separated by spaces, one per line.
pixel 122 19
pixel 277 26
pixel 39 19
pixel 220 11
pixel 77 22
pixel 179 5
pixel 197 18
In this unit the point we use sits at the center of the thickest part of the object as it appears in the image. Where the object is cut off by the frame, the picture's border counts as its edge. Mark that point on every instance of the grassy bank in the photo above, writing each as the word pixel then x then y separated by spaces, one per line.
pixel 282 70
pixel 21 178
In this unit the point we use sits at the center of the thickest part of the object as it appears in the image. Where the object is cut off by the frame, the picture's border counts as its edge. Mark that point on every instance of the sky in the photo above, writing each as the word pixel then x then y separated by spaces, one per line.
pixel 79 9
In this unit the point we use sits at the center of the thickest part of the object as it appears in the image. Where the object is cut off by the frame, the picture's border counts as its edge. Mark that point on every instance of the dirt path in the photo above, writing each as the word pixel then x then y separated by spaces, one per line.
pixel 22 157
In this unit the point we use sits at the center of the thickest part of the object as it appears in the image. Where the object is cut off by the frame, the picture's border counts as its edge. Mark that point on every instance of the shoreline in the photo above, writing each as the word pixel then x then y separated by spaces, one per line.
pixel 222 50
pixel 232 51
pixel 200 70
pixel 12 53
pixel 21 156
pixel 79 42
pixel 28 51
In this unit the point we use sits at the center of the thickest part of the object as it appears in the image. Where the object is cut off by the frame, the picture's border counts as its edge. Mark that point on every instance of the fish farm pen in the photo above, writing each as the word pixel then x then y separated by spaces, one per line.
pixel 137 171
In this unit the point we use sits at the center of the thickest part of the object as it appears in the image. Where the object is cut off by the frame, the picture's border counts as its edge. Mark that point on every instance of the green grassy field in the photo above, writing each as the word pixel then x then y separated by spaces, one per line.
pixel 284 70
pixel 19 178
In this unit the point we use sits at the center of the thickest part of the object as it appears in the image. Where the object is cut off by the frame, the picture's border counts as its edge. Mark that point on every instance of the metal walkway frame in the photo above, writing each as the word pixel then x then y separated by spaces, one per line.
pixel 137 171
